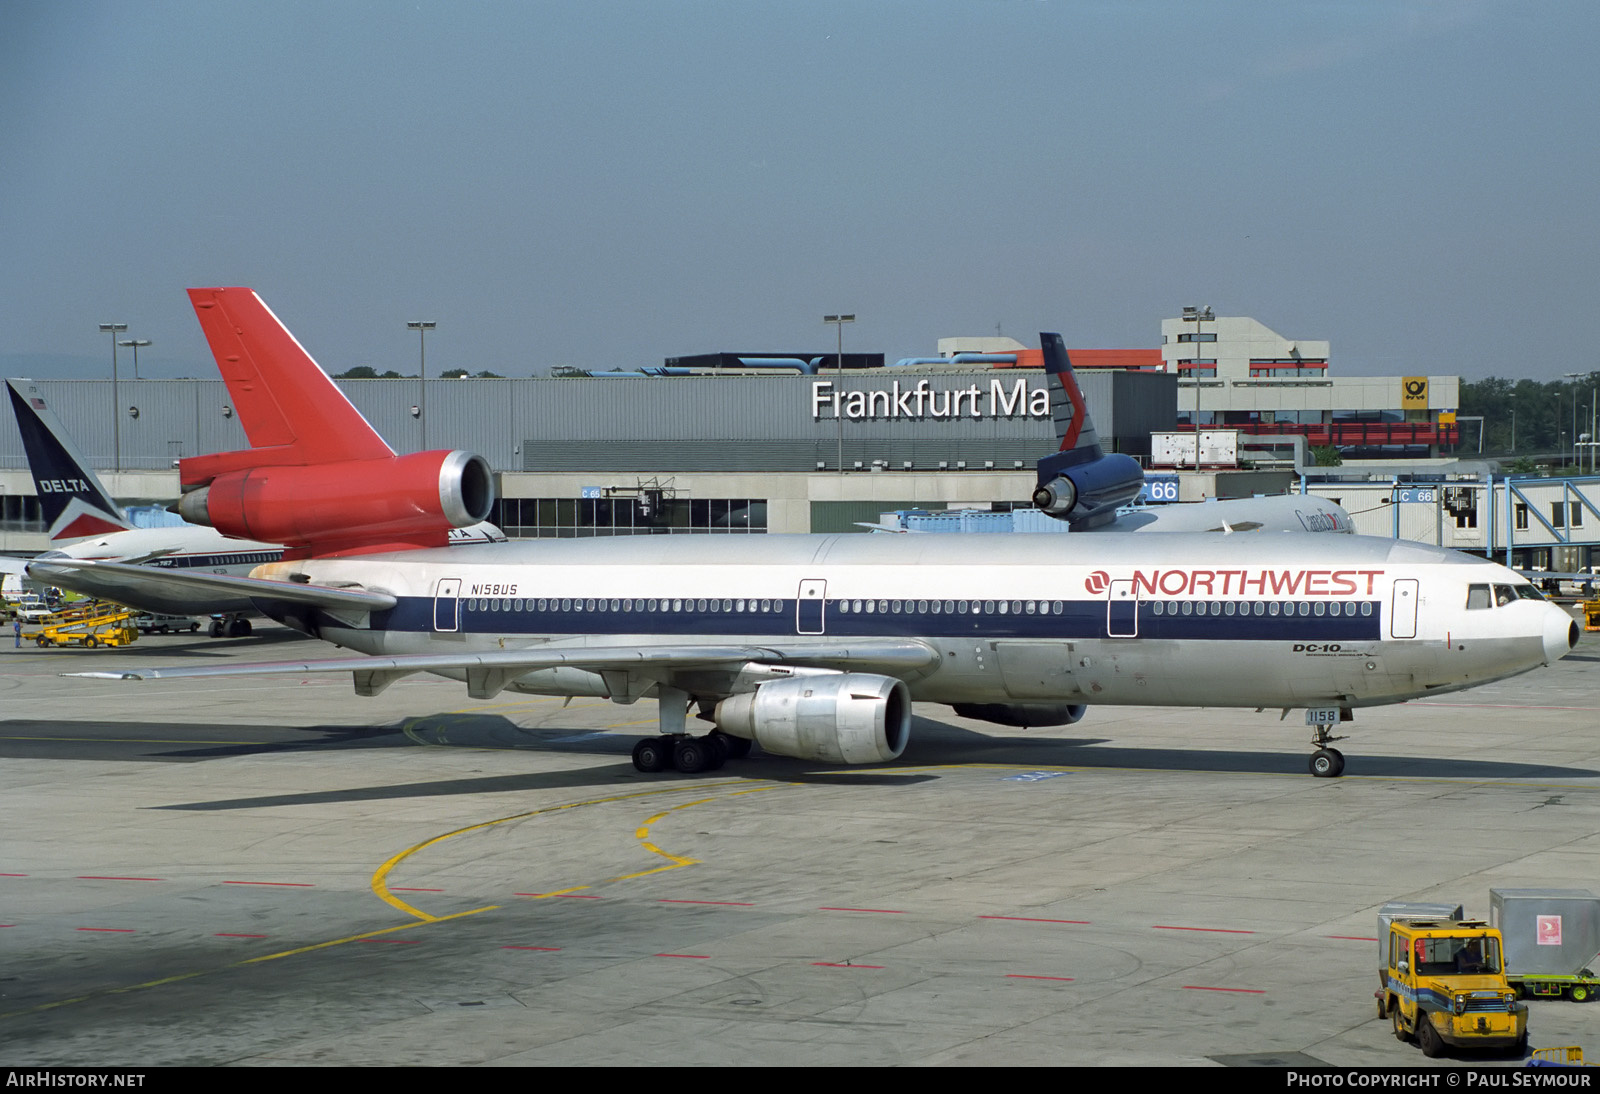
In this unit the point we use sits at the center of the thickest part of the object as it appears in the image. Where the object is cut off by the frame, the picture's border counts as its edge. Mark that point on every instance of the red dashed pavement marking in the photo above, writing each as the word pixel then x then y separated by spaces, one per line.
pixel 1030 919
pixel 843 965
pixel 1211 930
pixel 13 875
pixel 1244 991
pixel 719 903
pixel 1030 976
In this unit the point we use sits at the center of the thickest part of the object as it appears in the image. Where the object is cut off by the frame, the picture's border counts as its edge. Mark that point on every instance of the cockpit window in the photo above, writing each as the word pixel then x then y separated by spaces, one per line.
pixel 1503 595
pixel 1527 592
pixel 1477 597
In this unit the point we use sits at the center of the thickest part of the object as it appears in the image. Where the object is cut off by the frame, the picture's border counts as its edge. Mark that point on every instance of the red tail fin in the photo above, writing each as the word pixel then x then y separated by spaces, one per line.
pixel 319 478
pixel 290 410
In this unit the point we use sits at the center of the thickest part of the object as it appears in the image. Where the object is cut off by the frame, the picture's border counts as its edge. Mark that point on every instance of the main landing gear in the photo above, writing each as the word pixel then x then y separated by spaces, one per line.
pixel 689 755
pixel 676 748
pixel 234 626
pixel 1326 763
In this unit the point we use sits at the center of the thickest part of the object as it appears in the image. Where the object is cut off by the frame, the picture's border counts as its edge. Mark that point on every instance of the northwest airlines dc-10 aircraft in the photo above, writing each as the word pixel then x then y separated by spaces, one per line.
pixel 813 646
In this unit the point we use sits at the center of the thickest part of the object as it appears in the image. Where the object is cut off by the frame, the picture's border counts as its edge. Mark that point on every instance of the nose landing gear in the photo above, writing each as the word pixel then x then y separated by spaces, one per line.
pixel 1326 763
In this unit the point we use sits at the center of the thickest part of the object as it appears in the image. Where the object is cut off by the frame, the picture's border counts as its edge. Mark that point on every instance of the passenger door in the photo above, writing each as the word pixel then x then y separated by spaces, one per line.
pixel 809 607
pixel 1122 610
pixel 1403 609
pixel 446 605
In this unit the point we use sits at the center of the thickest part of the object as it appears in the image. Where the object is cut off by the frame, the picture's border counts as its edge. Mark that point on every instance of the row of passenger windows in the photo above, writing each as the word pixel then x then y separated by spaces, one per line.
pixel 1259 607
pixel 930 607
pixel 585 605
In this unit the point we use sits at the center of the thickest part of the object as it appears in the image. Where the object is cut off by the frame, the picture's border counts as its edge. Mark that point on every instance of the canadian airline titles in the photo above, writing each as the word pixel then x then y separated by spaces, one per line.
pixel 920 400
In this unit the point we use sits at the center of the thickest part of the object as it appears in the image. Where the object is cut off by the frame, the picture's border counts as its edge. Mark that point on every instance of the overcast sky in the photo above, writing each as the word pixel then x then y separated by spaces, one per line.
pixel 605 184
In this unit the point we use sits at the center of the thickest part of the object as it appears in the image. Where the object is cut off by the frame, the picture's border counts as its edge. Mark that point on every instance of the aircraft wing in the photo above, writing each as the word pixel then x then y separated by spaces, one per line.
pixel 629 669
pixel 141 585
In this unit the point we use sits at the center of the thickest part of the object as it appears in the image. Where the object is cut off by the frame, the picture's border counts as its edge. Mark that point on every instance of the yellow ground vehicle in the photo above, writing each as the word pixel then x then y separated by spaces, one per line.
pixel 87 625
pixel 1445 984
pixel 1591 615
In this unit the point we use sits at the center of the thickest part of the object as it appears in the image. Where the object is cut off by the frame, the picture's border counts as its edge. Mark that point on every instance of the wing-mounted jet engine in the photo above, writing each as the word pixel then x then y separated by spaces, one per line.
pixel 840 718
pixel 1081 483
pixel 316 473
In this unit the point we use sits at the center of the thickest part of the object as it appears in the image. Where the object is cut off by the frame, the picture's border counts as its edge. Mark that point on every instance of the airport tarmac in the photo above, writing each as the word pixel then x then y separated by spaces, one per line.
pixel 279 872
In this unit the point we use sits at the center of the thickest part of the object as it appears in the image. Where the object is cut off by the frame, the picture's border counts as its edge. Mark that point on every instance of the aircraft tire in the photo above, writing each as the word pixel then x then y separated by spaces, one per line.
pixel 193 627
pixel 216 628
pixel 689 756
pixel 652 754
pixel 737 747
pixel 1327 763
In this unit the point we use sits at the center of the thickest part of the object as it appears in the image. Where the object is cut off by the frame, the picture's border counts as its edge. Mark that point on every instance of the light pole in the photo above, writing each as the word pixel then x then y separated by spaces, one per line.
pixel 135 343
pixel 422 327
pixel 1199 315
pixel 1572 378
pixel 115 329
pixel 838 322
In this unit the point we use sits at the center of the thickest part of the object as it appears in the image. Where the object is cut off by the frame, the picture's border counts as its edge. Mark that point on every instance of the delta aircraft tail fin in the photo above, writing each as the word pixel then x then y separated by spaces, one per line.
pixel 74 503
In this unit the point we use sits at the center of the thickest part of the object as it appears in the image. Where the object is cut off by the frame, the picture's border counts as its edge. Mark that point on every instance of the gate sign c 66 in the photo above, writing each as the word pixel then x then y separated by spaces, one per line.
pixel 1160 488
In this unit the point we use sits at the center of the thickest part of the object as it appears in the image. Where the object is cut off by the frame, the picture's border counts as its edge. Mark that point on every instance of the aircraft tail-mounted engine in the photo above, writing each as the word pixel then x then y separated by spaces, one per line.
pixel 1089 491
pixel 840 718
pixel 401 499
pixel 1081 483
pixel 1022 715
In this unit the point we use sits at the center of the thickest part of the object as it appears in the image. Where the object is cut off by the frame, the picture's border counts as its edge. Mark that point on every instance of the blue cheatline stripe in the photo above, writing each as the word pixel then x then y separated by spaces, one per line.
pixel 1076 619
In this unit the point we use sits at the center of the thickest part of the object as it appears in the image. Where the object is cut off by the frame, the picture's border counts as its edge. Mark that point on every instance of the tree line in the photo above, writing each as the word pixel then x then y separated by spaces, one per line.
pixel 1527 416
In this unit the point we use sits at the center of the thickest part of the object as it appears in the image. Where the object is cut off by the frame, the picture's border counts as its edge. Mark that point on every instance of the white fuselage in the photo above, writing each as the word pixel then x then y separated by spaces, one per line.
pixel 1260 620
pixel 184 549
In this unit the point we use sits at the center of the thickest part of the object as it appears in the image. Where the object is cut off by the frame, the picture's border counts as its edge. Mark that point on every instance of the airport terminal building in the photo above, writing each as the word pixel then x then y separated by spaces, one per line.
pixel 773 442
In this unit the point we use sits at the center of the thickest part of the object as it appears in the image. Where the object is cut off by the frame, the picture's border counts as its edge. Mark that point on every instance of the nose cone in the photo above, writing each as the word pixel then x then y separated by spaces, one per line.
pixel 1560 634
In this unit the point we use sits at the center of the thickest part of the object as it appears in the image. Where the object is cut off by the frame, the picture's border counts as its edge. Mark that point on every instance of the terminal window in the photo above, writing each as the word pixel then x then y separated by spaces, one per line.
pixel 577 518
pixel 20 513
pixel 1566 514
